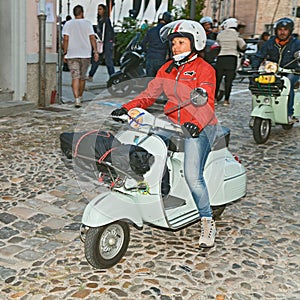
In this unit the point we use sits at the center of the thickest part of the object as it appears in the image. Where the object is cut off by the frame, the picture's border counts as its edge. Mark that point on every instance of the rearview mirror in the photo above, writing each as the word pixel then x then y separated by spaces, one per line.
pixel 198 96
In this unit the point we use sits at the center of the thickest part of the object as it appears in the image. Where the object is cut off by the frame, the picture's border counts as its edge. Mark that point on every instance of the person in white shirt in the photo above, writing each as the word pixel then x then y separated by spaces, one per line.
pixel 231 46
pixel 78 41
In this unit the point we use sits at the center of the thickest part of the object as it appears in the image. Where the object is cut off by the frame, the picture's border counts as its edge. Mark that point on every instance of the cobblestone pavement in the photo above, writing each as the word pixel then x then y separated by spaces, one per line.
pixel 257 251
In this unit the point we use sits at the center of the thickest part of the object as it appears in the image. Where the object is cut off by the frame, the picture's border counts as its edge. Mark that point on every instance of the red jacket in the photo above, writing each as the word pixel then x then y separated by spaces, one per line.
pixel 177 86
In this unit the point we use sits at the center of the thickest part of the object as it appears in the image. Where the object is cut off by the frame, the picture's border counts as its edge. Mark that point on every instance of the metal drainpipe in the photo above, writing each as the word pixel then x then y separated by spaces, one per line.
pixel 42 53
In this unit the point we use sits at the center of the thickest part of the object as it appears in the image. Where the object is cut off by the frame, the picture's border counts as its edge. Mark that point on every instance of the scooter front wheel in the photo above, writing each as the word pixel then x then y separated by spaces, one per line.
pixel 119 86
pixel 261 130
pixel 104 246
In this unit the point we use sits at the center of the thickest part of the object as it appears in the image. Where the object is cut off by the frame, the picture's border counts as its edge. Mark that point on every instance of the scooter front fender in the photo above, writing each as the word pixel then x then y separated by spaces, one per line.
pixel 109 207
pixel 264 112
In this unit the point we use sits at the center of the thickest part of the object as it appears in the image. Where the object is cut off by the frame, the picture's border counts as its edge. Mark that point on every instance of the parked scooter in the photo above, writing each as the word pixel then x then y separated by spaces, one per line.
pixel 105 230
pixel 131 76
pixel 270 95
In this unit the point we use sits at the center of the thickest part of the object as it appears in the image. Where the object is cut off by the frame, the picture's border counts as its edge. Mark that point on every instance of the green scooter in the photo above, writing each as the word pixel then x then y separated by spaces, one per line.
pixel 270 95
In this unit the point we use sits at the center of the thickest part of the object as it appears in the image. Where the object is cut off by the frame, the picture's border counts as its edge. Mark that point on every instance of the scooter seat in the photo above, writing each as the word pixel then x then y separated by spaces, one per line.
pixel 176 142
pixel 222 138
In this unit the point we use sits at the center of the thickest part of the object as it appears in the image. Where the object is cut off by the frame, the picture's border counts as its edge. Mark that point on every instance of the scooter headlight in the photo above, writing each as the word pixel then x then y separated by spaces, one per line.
pixel 267 100
pixel 136 118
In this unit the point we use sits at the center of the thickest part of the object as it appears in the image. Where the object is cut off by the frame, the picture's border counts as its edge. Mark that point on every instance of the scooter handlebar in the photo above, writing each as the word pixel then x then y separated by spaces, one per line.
pixel 289 71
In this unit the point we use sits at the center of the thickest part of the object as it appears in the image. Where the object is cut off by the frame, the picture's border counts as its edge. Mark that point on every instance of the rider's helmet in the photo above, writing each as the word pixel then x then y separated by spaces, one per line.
pixel 286 23
pixel 166 16
pixel 230 23
pixel 206 19
pixel 185 28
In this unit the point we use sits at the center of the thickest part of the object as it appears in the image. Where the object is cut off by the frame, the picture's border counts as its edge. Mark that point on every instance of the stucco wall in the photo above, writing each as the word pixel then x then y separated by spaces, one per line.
pixel 255 14
pixel 33 82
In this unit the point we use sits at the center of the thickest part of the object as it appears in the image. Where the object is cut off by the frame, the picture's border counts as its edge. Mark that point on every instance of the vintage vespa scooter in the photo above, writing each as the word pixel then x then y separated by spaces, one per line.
pixel 270 95
pixel 105 231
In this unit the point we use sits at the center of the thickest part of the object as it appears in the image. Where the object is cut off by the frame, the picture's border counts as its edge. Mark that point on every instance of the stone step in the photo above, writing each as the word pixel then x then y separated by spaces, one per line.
pixel 6 95
pixel 15 107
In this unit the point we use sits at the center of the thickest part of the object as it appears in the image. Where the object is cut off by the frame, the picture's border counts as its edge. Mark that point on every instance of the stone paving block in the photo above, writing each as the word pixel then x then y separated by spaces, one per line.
pixel 7 218
pixel 67 236
pixel 29 255
pixel 50 246
pixel 7 232
pixel 46 197
pixel 10 250
pixel 22 212
pixel 53 210
pixel 6 272
pixel 75 207
pixel 35 203
pixel 55 223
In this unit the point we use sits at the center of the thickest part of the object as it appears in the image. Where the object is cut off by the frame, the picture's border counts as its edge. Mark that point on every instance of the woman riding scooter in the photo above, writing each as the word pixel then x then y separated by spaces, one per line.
pixel 185 72
pixel 280 49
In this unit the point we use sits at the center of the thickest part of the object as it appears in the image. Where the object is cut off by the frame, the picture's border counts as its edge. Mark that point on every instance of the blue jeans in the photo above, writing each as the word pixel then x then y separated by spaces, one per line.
pixel 293 79
pixel 108 55
pixel 195 156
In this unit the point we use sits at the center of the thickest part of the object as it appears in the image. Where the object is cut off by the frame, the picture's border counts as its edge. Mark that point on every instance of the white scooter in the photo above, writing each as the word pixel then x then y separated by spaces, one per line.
pixel 105 231
pixel 270 95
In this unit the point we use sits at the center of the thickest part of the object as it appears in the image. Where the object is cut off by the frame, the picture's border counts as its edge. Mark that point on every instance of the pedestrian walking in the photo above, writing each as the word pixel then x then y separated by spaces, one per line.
pixel 78 42
pixel 177 78
pixel 156 51
pixel 263 38
pixel 106 33
pixel 65 64
pixel 231 46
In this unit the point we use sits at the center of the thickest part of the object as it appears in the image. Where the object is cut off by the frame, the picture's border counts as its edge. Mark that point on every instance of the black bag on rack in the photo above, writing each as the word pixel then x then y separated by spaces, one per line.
pixel 89 149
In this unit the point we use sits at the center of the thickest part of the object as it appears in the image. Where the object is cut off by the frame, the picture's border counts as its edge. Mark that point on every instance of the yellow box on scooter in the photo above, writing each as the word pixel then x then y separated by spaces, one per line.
pixel 265 79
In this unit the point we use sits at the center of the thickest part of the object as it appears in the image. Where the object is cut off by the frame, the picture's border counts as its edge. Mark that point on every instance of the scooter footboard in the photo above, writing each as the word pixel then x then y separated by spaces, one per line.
pixel 109 207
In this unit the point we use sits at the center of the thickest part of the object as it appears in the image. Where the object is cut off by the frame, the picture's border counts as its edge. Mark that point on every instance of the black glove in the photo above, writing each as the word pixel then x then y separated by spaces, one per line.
pixel 119 112
pixel 190 130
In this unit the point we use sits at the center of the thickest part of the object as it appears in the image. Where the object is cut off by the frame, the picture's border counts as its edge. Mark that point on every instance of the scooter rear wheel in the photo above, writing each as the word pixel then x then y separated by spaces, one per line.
pixel 261 130
pixel 104 246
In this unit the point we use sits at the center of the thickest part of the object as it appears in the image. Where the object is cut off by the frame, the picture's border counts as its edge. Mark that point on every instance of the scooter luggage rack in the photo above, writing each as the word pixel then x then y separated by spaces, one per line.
pixel 115 181
pixel 272 89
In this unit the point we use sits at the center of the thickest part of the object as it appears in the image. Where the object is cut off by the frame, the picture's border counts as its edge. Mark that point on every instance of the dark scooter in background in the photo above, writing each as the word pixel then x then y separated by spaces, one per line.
pixel 131 76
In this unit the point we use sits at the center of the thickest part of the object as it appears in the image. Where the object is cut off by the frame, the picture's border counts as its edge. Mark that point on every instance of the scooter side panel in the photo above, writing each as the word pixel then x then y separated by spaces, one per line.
pixel 297 104
pixel 109 207
pixel 225 177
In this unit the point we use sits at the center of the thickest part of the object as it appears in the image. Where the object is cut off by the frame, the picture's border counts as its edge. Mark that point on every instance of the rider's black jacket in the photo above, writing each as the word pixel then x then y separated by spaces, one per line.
pixel 273 52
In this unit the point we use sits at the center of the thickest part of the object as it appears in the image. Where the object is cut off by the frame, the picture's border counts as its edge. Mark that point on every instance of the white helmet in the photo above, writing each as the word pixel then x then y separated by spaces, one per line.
pixel 230 23
pixel 185 28
pixel 206 19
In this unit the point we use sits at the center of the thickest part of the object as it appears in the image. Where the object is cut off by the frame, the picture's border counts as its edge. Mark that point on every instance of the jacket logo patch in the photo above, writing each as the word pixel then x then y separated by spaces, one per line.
pixel 189 73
